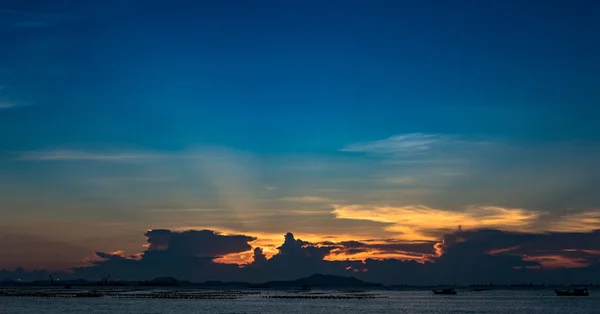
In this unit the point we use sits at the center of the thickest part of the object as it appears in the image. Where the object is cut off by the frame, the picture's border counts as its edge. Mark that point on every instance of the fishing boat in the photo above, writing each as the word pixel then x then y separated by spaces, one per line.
pixel 444 291
pixel 573 292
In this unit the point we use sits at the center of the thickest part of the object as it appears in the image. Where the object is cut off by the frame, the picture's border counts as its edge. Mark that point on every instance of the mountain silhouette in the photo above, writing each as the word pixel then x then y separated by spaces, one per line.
pixel 324 281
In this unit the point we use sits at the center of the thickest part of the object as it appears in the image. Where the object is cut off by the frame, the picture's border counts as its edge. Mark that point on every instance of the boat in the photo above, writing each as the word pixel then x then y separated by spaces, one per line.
pixel 573 292
pixel 444 291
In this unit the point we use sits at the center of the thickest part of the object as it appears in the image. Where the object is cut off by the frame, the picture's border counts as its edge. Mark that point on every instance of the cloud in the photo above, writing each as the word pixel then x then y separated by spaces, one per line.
pixel 307 199
pixel 259 257
pixel 270 188
pixel 295 258
pixel 6 105
pixel 407 144
pixel 7 102
pixel 204 243
pixel 419 148
pixel 418 222
pixel 468 261
pixel 573 222
pixel 292 248
pixel 550 249
pixel 118 255
pixel 463 257
pixel 131 180
pixel 382 249
pixel 422 149
pixel 106 156
pixel 454 171
pixel 19 19
pixel 187 254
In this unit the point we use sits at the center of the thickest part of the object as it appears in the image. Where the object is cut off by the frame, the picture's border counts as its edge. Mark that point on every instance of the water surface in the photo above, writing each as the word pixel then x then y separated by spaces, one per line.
pixel 500 301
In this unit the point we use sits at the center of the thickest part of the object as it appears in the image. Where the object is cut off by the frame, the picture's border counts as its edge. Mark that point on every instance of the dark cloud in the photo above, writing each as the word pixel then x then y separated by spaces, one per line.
pixel 259 257
pixel 462 257
pixel 109 256
pixel 204 243
pixel 292 248
pixel 187 254
pixel 582 245
pixel 296 258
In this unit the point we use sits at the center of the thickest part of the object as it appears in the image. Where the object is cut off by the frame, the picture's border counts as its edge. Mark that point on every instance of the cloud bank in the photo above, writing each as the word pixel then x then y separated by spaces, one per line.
pixel 461 257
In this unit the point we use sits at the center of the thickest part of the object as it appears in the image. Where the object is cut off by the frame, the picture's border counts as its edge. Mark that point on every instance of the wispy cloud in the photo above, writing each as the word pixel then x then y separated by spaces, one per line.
pixel 7 101
pixel 398 144
pixel 577 222
pixel 131 180
pixel 7 104
pixel 307 199
pixel 74 155
pixel 270 188
pixel 185 210
pixel 421 222
pixel 25 19
pixel 419 148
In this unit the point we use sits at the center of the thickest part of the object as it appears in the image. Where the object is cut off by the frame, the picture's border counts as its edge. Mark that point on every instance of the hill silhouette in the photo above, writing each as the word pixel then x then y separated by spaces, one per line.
pixel 324 281
pixel 316 280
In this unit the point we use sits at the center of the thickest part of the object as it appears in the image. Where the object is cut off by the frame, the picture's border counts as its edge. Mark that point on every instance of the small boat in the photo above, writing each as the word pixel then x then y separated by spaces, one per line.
pixel 444 291
pixel 573 292
pixel 305 288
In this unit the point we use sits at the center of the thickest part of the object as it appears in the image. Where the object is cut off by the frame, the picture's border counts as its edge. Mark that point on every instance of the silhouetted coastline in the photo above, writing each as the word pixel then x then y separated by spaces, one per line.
pixel 315 281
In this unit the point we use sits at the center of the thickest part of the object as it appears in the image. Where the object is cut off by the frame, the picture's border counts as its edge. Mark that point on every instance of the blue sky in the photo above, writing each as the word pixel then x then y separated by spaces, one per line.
pixel 290 76
pixel 114 111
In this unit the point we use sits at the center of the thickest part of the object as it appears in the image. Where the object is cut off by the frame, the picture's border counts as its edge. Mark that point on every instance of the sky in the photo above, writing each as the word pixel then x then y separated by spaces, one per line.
pixel 375 132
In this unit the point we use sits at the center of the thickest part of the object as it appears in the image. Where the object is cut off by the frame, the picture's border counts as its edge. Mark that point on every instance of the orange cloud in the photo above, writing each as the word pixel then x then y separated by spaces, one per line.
pixel 422 223
pixel 557 261
pixel 235 258
pixel 579 222
pixel 339 255
pixel 418 222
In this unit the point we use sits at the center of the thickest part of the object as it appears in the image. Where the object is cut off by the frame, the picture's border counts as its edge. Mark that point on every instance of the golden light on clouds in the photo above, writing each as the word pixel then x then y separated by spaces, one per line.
pixel 557 261
pixel 577 222
pixel 269 243
pixel 417 222
pixel 235 258
pixel 374 254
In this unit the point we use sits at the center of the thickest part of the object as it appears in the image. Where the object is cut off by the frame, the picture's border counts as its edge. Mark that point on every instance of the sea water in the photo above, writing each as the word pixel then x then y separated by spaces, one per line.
pixel 495 301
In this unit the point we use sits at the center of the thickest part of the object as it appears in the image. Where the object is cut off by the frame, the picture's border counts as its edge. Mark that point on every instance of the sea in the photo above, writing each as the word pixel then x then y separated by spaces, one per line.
pixel 407 301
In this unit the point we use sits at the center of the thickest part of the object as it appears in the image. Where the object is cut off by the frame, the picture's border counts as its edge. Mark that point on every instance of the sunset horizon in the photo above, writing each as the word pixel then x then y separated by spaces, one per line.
pixel 401 142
